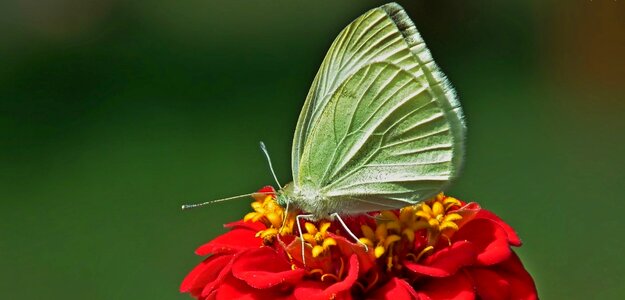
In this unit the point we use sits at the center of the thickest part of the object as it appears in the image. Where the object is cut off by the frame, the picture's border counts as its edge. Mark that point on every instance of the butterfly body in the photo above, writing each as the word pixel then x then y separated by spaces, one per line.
pixel 381 127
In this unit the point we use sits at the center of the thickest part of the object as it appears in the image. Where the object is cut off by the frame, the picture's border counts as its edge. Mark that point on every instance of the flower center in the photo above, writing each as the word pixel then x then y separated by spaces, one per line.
pixel 437 217
pixel 411 233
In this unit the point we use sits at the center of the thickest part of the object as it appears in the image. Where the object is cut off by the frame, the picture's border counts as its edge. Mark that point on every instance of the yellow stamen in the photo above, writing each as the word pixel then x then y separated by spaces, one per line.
pixel 424 252
pixel 317 250
pixel 388 216
pixel 324 227
pixel 426 209
pixel 391 239
pixel 379 251
pixel 394 225
pixel 331 276
pixel 448 225
pixel 316 271
pixel 329 242
pixel 268 232
pixel 311 228
pixel 380 232
pixel 366 241
pixel 274 218
pixel 368 232
pixel 389 260
pixel 437 209
pixel 409 234
pixel 249 216
pixel 309 238
pixel 423 214
pixel 452 217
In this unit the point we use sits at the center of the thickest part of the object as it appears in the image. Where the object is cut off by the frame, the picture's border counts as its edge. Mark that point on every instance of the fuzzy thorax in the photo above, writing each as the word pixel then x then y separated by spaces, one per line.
pixel 308 201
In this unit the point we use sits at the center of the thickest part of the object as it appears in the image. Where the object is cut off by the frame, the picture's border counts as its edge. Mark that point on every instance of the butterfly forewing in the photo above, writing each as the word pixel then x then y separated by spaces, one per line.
pixel 372 37
pixel 380 127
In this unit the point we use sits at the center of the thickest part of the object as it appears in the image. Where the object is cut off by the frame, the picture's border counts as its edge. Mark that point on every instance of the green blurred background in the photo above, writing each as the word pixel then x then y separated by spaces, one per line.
pixel 114 113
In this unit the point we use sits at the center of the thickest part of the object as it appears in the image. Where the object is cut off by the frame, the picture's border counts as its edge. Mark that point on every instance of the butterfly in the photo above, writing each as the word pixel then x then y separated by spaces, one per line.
pixel 381 127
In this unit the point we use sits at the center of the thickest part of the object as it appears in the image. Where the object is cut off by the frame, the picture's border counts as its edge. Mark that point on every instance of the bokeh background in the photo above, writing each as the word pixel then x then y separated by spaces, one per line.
pixel 113 113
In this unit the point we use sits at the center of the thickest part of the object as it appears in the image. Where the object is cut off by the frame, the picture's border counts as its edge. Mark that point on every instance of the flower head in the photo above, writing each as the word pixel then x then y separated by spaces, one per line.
pixel 442 248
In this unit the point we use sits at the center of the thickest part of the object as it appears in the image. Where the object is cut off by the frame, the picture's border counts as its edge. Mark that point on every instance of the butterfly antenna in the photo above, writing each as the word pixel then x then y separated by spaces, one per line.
pixel 188 206
pixel 264 149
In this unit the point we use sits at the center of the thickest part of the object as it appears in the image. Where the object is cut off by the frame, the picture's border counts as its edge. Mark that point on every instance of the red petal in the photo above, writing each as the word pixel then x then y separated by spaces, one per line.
pixel 225 271
pixel 447 261
pixel 394 289
pixel 490 240
pixel 468 213
pixel 232 241
pixel 263 268
pixel 513 238
pixel 521 283
pixel 254 226
pixel 347 248
pixel 267 189
pixel 489 285
pixel 457 287
pixel 204 273
pixel 233 288
pixel 309 287
pixel 339 290
pixel 304 291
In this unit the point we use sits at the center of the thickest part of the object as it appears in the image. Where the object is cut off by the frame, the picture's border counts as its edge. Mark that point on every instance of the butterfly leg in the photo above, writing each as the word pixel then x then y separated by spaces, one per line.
pixel 284 217
pixel 301 234
pixel 349 231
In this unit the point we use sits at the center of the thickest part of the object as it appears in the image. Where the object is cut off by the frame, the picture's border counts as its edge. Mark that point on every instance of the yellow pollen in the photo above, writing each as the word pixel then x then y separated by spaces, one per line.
pixel 317 250
pixel 379 251
pixel 436 215
pixel 270 213
pixel 318 238
pixel 366 241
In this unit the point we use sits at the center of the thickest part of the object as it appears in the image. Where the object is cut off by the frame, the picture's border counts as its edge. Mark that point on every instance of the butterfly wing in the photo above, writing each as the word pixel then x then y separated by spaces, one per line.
pixel 372 37
pixel 381 126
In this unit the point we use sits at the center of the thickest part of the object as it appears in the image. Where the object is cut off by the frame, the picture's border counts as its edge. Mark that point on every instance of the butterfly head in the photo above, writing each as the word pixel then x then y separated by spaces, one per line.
pixel 285 195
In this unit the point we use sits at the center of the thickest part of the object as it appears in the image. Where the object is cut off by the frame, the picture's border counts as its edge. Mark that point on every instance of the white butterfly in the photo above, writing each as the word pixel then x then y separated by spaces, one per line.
pixel 381 127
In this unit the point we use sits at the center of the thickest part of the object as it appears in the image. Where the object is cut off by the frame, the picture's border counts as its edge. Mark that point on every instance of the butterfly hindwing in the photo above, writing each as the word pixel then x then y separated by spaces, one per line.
pixel 381 136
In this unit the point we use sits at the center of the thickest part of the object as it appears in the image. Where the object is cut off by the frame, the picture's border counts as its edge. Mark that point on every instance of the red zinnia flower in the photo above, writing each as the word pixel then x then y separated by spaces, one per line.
pixel 440 249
